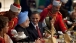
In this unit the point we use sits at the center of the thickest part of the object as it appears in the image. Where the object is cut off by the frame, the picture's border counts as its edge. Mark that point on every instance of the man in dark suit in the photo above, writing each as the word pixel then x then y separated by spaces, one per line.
pixel 35 28
pixel 63 9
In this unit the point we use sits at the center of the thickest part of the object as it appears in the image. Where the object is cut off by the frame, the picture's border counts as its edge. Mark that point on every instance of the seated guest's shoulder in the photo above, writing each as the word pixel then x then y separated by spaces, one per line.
pixel 18 28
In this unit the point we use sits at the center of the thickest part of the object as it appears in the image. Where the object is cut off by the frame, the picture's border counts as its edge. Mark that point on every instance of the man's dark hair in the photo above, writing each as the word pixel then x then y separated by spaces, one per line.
pixel 3 22
pixel 35 12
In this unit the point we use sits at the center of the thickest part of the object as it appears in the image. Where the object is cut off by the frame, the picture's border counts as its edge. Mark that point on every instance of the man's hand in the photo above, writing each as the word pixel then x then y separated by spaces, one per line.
pixel 46 35
pixel 38 40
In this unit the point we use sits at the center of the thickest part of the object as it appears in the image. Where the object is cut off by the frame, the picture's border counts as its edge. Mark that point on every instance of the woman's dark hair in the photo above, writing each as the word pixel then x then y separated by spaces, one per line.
pixel 3 21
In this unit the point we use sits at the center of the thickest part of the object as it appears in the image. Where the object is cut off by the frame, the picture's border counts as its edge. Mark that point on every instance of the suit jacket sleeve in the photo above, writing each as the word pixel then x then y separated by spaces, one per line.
pixel 62 24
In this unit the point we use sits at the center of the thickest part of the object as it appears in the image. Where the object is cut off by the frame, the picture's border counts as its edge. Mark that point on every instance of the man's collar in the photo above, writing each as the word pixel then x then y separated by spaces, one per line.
pixel 34 25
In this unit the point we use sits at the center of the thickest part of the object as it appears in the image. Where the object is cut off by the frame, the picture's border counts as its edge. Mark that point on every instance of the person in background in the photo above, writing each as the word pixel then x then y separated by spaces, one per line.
pixel 68 5
pixel 25 4
pixel 71 21
pixel 12 15
pixel 64 10
pixel 35 28
pixel 74 8
pixel 53 11
pixel 4 38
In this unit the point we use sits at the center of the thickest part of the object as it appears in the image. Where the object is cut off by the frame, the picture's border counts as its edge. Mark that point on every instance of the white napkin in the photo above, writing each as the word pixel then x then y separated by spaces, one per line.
pixel 14 33
pixel 18 35
pixel 60 32
pixel 21 35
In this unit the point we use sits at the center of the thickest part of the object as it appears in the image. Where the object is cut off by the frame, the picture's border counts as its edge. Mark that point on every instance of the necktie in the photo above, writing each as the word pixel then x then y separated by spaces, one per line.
pixel 39 33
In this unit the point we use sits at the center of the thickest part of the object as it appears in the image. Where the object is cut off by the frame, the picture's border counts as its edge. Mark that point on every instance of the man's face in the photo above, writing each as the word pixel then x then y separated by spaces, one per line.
pixel 73 15
pixel 26 23
pixel 55 9
pixel 5 29
pixel 13 14
pixel 35 18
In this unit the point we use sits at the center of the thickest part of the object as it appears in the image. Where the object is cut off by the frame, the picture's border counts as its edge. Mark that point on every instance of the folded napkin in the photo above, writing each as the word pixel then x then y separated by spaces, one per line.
pixel 60 32
pixel 18 35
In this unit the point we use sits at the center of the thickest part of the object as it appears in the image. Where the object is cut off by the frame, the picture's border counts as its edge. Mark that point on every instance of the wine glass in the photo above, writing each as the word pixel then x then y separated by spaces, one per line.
pixel 61 38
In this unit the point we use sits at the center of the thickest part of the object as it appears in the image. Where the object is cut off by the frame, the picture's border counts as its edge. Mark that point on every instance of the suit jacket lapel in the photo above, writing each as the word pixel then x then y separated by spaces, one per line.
pixel 33 28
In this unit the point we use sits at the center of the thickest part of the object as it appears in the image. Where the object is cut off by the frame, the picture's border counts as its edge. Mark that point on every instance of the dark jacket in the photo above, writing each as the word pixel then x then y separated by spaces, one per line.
pixel 18 28
pixel 33 32
pixel 64 11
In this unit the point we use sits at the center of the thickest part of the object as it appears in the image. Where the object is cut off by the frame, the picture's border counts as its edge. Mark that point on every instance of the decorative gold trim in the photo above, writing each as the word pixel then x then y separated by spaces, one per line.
pixel 59 12
pixel 12 24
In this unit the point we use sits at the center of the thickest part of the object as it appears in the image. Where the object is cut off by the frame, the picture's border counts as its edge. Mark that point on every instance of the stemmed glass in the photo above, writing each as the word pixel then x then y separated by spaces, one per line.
pixel 61 38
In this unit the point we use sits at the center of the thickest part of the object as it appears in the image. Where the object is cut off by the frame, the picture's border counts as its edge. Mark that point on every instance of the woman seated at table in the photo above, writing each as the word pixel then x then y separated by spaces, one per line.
pixel 4 38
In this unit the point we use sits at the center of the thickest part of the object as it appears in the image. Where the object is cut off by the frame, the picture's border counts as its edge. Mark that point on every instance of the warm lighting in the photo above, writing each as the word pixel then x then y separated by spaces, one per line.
pixel 74 1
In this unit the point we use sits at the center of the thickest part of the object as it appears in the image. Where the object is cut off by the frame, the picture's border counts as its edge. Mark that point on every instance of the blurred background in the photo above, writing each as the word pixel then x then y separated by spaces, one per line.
pixel 31 4
pixel 5 4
